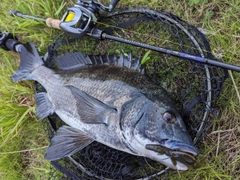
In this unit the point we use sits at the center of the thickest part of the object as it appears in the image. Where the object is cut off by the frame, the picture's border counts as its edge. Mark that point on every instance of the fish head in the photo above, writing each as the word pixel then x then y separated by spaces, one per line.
pixel 161 135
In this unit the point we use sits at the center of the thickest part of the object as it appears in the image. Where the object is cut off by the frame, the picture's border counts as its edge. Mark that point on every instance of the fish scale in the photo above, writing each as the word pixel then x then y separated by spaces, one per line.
pixel 107 102
pixel 63 98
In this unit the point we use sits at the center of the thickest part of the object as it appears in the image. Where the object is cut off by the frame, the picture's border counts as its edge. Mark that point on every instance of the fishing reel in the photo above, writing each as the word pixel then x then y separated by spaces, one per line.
pixel 80 18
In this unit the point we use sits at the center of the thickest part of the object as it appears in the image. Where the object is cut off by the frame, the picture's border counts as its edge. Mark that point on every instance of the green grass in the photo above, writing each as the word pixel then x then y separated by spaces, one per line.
pixel 19 129
pixel 22 139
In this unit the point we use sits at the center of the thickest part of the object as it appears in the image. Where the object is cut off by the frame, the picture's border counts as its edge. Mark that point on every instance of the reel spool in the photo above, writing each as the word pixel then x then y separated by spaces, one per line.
pixel 194 87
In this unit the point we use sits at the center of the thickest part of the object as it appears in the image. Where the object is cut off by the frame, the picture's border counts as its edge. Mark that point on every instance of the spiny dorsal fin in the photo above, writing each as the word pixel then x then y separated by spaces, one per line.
pixel 120 61
pixel 72 61
pixel 76 60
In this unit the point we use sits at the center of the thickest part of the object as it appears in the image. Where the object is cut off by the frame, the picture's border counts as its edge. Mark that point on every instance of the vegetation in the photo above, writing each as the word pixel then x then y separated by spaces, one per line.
pixel 22 138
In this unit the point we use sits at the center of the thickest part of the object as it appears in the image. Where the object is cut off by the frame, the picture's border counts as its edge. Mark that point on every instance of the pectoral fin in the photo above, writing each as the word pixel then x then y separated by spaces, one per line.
pixel 44 106
pixel 66 142
pixel 90 109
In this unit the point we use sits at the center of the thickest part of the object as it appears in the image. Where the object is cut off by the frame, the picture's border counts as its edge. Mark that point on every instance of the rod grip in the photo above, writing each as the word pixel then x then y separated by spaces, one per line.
pixel 54 23
pixel 11 44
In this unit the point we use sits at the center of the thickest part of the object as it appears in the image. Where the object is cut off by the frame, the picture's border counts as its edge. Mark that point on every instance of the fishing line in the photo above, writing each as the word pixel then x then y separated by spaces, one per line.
pixel 156 174
pixel 149 164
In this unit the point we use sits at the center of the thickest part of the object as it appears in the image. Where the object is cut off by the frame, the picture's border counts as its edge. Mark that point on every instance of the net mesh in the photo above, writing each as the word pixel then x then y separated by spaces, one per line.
pixel 194 87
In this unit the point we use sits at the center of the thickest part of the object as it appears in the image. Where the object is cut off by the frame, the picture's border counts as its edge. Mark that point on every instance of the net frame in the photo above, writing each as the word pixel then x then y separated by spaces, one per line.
pixel 200 99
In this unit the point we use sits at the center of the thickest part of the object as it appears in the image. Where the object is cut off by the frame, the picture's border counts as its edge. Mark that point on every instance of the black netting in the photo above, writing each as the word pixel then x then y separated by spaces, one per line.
pixel 194 87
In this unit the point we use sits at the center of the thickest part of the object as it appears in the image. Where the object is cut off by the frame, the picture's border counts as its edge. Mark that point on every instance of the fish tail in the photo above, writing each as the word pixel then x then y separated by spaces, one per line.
pixel 30 60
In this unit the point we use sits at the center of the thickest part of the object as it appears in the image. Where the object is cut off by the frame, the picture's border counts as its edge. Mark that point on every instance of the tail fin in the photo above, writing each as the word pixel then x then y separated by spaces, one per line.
pixel 30 60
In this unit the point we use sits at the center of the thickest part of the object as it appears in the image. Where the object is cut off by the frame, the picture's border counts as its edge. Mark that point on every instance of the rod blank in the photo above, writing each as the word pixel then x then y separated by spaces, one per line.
pixel 55 23
pixel 175 53
pixel 17 13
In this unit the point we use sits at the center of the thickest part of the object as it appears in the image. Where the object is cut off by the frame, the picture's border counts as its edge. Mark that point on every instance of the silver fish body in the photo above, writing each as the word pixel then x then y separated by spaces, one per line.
pixel 115 106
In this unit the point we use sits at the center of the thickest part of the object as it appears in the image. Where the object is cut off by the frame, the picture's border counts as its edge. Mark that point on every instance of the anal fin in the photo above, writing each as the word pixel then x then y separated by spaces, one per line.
pixel 66 142
pixel 44 106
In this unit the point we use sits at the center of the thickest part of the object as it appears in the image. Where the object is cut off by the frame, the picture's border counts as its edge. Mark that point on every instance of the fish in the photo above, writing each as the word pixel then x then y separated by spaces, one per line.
pixel 111 102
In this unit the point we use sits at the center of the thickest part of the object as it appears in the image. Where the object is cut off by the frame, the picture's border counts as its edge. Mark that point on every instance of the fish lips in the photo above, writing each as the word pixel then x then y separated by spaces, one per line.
pixel 179 151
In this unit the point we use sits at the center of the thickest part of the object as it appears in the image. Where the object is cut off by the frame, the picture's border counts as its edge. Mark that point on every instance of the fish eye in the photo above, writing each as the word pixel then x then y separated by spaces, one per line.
pixel 169 117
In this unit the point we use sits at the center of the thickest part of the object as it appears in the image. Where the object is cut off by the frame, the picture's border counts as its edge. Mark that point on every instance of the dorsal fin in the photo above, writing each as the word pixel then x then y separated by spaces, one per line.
pixel 120 61
pixel 72 61
pixel 76 60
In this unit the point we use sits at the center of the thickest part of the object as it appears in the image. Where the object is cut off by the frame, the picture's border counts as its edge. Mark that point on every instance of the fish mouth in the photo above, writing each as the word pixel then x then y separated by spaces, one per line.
pixel 176 150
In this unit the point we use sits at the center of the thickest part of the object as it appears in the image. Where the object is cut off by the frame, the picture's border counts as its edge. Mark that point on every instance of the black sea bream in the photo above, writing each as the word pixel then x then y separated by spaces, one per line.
pixel 111 104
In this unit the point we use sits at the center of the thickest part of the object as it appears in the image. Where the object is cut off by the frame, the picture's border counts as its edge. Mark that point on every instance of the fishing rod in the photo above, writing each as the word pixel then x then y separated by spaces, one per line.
pixel 80 20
